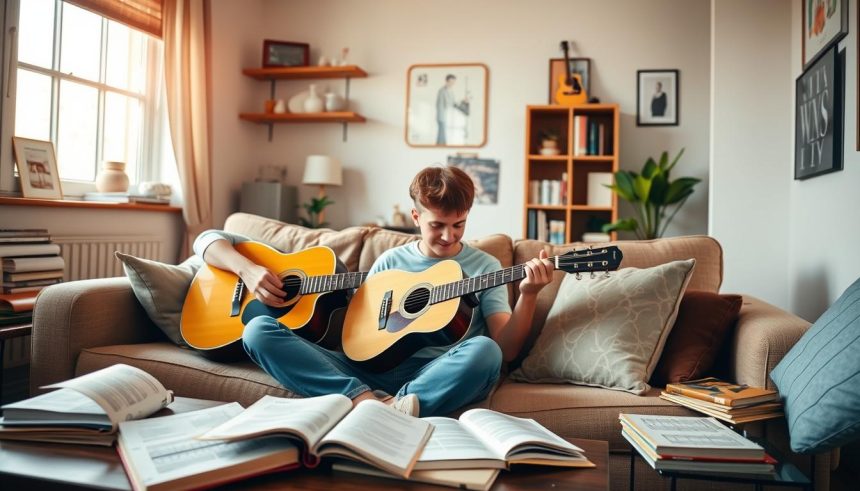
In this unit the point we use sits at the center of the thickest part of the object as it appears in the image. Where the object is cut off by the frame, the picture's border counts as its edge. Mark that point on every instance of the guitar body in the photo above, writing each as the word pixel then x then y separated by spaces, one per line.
pixel 212 320
pixel 381 338
pixel 567 95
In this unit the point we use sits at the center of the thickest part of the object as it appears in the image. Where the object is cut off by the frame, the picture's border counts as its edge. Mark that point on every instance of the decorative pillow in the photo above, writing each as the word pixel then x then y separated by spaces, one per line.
pixel 160 288
pixel 819 378
pixel 608 331
pixel 703 324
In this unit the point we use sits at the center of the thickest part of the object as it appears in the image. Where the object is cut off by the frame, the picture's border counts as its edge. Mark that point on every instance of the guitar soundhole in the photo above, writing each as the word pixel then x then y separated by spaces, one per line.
pixel 292 285
pixel 416 301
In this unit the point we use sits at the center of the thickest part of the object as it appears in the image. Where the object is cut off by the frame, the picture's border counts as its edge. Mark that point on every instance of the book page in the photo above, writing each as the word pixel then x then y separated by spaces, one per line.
pixel 504 433
pixel 452 442
pixel 163 449
pixel 42 409
pixel 376 434
pixel 123 391
pixel 309 418
pixel 687 432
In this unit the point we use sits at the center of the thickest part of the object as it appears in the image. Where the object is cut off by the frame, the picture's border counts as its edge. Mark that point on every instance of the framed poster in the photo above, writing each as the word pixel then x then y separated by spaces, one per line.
pixel 485 175
pixel 37 166
pixel 580 66
pixel 825 22
pixel 284 53
pixel 657 97
pixel 818 117
pixel 446 105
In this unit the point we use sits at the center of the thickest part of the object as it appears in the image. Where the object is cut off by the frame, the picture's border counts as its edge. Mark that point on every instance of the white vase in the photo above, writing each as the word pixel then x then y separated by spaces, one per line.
pixel 334 102
pixel 314 103
pixel 112 178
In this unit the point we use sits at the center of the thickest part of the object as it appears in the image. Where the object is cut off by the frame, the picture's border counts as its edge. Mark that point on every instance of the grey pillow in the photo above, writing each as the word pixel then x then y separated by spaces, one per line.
pixel 819 378
pixel 161 288
pixel 608 331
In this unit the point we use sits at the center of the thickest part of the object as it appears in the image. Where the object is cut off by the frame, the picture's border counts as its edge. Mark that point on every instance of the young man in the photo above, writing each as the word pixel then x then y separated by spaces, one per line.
pixel 435 380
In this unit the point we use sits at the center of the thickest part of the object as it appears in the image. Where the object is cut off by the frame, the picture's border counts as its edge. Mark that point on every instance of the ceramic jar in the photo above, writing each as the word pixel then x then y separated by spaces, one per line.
pixel 112 178
pixel 334 102
pixel 314 103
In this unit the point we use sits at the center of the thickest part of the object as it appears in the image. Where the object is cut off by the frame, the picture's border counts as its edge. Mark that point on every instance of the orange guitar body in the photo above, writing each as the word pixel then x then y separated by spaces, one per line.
pixel 212 319
pixel 410 323
pixel 567 95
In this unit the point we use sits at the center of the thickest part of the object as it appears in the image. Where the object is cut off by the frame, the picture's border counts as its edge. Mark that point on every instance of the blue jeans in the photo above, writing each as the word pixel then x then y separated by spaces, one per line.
pixel 466 373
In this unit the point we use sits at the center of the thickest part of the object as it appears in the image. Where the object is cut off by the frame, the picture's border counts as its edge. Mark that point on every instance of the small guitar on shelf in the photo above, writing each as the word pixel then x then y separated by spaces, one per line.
pixel 217 306
pixel 570 91
pixel 395 313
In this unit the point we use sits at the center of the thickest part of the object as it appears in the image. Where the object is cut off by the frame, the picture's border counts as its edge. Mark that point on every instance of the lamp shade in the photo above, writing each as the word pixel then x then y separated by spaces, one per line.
pixel 322 170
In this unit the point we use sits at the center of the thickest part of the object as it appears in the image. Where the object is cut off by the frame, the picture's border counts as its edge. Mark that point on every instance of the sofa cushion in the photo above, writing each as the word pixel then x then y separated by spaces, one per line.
pixel 704 322
pixel 346 243
pixel 818 379
pixel 161 288
pixel 608 331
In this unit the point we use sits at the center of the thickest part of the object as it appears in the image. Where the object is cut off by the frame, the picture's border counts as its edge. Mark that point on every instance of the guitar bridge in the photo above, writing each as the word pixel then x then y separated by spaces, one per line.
pixel 385 310
pixel 236 302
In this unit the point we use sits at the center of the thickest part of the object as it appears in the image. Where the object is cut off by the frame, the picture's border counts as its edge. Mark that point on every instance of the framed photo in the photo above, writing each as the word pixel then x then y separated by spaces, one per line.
pixel 285 53
pixel 485 175
pixel 37 166
pixel 446 105
pixel 657 97
pixel 818 112
pixel 581 66
pixel 825 22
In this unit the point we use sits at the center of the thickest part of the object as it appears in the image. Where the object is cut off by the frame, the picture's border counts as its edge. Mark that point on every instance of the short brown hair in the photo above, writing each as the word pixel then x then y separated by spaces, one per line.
pixel 448 189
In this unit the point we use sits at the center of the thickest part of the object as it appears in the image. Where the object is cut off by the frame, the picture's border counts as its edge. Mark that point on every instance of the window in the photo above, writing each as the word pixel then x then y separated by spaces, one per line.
pixel 93 86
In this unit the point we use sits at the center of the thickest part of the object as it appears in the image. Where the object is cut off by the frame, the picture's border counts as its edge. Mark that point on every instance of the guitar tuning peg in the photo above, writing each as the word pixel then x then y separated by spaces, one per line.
pixel 606 274
pixel 578 275
pixel 592 275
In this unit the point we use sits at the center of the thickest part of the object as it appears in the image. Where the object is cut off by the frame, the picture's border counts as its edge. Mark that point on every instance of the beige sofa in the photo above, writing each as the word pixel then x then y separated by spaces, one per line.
pixel 82 326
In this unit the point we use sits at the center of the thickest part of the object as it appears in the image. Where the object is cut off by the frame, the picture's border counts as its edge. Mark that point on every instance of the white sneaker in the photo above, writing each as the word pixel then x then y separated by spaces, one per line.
pixel 407 404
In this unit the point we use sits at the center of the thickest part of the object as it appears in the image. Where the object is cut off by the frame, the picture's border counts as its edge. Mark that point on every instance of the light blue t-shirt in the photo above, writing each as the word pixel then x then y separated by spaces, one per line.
pixel 473 262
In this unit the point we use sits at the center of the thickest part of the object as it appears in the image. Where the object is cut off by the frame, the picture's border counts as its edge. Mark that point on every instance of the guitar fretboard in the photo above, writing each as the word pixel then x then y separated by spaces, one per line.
pixel 327 283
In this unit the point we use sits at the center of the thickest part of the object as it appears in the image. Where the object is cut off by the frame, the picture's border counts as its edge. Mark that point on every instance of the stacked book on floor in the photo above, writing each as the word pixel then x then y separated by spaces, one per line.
pixel 29 262
pixel 694 444
pixel 732 403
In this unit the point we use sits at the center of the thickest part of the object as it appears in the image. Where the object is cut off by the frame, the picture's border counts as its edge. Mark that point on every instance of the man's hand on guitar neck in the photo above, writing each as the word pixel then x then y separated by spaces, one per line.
pixel 265 285
pixel 538 274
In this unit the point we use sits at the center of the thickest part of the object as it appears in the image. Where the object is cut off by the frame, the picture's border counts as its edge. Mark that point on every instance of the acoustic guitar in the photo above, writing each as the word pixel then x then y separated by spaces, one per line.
pixel 218 306
pixel 570 91
pixel 395 313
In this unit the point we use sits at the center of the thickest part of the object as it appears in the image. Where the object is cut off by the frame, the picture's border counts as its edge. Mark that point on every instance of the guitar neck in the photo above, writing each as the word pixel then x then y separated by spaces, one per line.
pixel 442 293
pixel 332 282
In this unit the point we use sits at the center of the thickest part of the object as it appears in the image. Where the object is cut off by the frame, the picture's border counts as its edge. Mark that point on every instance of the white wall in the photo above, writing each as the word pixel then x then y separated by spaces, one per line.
pixel 514 39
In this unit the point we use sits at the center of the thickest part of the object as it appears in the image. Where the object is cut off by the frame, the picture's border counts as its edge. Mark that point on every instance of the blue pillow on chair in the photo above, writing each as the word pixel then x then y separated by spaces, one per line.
pixel 819 379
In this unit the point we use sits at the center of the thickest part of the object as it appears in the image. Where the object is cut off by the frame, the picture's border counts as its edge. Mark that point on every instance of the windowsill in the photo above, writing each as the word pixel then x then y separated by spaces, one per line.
pixel 66 203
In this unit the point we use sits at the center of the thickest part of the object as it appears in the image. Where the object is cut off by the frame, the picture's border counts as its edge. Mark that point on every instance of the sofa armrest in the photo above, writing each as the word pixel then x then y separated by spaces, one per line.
pixel 763 336
pixel 69 317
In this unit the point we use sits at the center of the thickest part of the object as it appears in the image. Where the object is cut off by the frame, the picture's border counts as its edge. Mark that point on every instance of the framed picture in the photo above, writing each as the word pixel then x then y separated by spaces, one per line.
pixel 485 175
pixel 825 22
pixel 657 97
pixel 446 105
pixel 37 166
pixel 285 53
pixel 581 66
pixel 818 112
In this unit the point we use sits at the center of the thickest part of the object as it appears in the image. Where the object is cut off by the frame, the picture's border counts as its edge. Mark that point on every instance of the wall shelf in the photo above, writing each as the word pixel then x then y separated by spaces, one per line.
pixel 332 117
pixel 305 72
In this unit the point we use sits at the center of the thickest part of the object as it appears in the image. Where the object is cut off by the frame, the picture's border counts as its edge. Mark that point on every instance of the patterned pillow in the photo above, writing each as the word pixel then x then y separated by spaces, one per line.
pixel 608 331
pixel 819 378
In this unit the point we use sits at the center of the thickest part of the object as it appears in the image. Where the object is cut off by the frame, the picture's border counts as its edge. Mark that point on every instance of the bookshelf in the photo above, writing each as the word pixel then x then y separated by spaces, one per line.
pixel 557 186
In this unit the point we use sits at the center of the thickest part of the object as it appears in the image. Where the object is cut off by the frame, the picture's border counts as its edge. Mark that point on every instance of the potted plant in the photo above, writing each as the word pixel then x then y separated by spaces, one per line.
pixel 653 195
pixel 314 208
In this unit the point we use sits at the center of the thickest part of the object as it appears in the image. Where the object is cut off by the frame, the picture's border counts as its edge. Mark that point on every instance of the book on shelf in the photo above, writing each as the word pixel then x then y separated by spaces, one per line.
pixel 532 224
pixel 24 235
pixel 163 454
pixel 472 479
pixel 729 414
pixel 85 409
pixel 17 302
pixel 125 198
pixel 372 432
pixel 595 237
pixel 26 264
pixel 721 392
pixel 483 438
pixel 24 289
pixel 33 275
pixel 15 250
pixel 690 437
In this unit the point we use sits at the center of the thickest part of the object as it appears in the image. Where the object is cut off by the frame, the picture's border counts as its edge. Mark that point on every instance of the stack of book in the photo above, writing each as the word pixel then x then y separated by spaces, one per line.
pixel 693 444
pixel 126 198
pixel 29 260
pixel 732 403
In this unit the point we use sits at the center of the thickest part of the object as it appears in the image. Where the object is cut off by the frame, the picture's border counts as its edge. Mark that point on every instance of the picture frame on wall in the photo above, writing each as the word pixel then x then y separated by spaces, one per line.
pixel 446 105
pixel 285 53
pixel 37 166
pixel 657 97
pixel 580 66
pixel 825 22
pixel 818 127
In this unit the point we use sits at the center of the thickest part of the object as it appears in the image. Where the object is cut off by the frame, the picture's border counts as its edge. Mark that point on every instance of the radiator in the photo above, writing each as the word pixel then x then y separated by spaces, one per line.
pixel 87 258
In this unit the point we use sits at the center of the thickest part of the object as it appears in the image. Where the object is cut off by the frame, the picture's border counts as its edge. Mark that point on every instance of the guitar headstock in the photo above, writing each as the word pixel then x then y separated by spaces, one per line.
pixel 606 258
pixel 564 46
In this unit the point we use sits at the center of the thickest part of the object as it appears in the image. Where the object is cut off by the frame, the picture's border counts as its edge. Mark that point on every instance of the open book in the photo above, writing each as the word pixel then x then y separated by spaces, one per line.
pixel 483 438
pixel 372 432
pixel 162 454
pixel 471 479
pixel 86 409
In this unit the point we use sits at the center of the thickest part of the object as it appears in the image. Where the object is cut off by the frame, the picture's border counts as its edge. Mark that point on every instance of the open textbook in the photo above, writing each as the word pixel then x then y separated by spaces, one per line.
pixel 161 454
pixel 483 438
pixel 471 479
pixel 372 432
pixel 86 409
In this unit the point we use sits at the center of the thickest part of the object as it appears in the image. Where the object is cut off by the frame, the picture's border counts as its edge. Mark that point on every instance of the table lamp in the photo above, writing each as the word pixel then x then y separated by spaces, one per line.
pixel 321 170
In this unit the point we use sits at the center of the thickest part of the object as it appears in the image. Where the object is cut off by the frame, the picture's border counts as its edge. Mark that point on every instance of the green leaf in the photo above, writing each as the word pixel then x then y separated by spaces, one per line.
pixel 624 186
pixel 650 169
pixel 664 160
pixel 659 186
pixel 642 187
pixel 625 224
pixel 680 189
pixel 675 160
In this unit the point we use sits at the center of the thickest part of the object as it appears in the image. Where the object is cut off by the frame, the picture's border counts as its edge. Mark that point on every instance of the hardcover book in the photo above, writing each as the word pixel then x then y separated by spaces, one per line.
pixel 720 392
